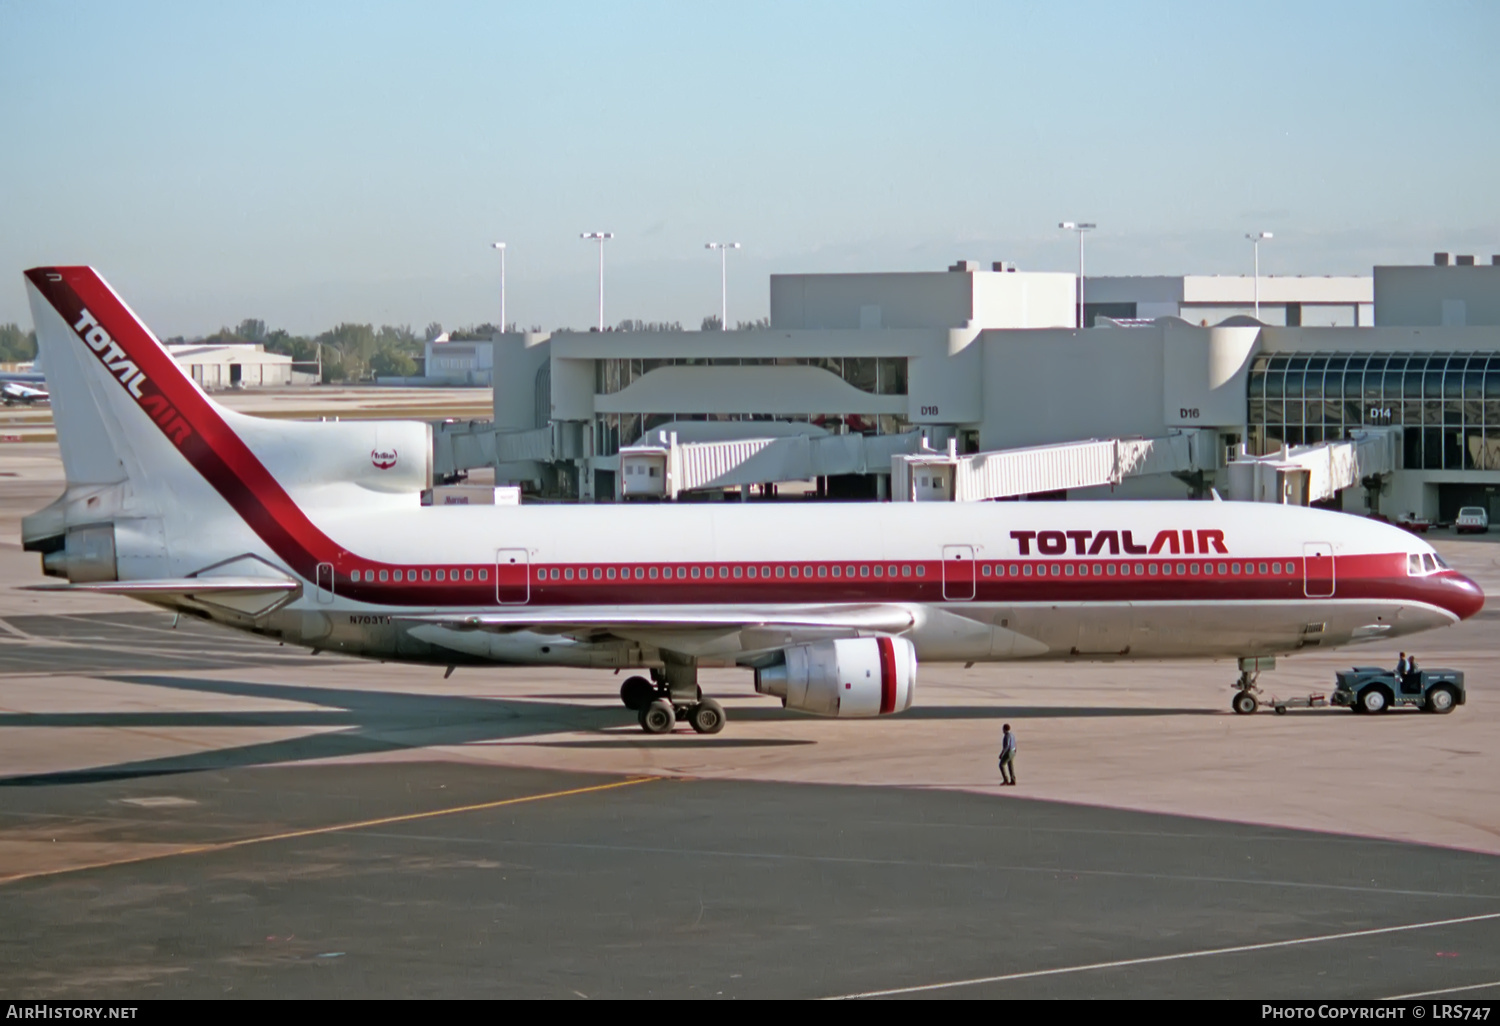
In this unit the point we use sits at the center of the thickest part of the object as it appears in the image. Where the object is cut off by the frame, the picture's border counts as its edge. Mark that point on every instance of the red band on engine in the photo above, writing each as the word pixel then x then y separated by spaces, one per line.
pixel 887 675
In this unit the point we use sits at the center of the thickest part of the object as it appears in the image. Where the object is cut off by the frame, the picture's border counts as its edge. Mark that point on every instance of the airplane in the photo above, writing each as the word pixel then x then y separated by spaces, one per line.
pixel 13 393
pixel 314 534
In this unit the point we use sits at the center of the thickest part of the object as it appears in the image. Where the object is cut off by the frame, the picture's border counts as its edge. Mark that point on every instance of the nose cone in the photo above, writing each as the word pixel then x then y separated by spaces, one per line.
pixel 1461 596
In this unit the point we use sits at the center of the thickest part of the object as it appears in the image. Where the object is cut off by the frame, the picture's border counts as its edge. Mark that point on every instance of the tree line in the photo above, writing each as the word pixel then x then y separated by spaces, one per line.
pixel 352 352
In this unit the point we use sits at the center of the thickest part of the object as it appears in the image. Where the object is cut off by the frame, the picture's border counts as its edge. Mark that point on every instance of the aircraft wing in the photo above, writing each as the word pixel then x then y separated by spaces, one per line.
pixel 616 619
pixel 720 632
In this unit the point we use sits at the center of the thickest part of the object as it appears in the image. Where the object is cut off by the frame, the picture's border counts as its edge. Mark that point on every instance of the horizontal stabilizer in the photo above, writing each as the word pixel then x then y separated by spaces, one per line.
pixel 177 586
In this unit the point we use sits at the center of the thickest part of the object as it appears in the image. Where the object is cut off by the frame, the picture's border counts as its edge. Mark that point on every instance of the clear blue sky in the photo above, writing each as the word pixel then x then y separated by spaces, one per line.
pixel 308 163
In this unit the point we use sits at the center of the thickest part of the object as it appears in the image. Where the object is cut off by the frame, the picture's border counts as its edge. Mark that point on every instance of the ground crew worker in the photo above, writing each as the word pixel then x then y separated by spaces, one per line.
pixel 1402 666
pixel 1007 757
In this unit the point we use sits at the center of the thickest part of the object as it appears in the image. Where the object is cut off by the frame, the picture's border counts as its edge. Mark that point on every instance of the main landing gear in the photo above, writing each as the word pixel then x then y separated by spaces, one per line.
pixel 674 695
pixel 1244 701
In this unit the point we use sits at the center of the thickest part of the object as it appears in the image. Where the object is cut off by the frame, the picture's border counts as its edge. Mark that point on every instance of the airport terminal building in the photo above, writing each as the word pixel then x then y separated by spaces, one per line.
pixel 860 370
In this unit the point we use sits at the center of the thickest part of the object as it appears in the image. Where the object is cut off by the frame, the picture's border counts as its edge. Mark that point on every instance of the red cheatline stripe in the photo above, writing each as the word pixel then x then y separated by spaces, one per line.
pixel 887 675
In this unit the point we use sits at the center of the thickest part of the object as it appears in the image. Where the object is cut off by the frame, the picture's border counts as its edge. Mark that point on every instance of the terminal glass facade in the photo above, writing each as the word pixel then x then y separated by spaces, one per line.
pixel 1448 404
pixel 612 430
pixel 878 375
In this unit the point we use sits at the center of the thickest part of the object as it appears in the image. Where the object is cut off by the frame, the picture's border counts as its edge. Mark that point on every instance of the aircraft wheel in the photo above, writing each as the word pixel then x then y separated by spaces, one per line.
pixel 658 717
pixel 1440 700
pixel 707 717
pixel 637 693
pixel 1243 703
pixel 1374 700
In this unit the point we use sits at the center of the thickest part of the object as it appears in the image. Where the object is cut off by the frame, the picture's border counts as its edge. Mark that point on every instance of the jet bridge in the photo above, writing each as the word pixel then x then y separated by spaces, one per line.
pixel 665 468
pixel 1304 474
pixel 1008 473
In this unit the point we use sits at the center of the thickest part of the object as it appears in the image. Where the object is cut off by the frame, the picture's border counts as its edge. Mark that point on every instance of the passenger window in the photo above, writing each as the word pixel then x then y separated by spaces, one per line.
pixel 426 575
pixel 750 572
pixel 765 571
pixel 1111 569
pixel 484 575
pixel 906 571
pixel 1234 568
pixel 554 574
pixel 640 572
pixel 864 571
pixel 781 571
pixel 986 570
pixel 468 575
pixel 568 574
pixel 738 571
pixel 1069 570
pixel 695 573
pixel 1027 571
pixel 682 572
pixel 1275 568
pixel 541 575
pixel 822 571
pixel 807 571
pixel 653 573
pixel 838 571
pixel 1055 569
pixel 383 575
pixel 1099 569
pixel 1181 569
pixel 921 570
pixel 849 571
pixel 1153 569
pixel 1193 569
pixel 1263 568
pixel 599 573
pixel 891 570
pixel 880 571
pixel 793 571
pixel 610 573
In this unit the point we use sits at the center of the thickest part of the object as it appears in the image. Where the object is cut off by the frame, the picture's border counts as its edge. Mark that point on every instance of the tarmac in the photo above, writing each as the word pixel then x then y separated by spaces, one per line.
pixel 189 812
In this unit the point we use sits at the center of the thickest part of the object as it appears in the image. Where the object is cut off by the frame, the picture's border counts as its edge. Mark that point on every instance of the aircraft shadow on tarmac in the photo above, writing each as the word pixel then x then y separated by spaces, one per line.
pixel 376 722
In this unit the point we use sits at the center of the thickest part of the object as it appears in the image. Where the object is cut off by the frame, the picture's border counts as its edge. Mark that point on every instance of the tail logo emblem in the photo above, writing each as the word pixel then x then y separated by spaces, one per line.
pixel 383 460
pixel 118 363
pixel 110 354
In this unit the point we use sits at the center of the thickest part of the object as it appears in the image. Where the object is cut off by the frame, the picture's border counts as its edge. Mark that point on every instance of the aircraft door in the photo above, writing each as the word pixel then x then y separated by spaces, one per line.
pixel 1317 570
pixel 512 577
pixel 325 583
pixel 958 572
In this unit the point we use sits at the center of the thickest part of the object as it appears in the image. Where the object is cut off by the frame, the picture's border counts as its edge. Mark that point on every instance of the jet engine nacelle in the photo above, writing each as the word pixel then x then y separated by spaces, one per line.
pixel 846 678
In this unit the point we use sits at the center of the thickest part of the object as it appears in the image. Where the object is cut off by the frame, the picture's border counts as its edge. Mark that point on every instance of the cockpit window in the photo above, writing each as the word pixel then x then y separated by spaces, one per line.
pixel 1429 562
pixel 1413 563
pixel 1442 562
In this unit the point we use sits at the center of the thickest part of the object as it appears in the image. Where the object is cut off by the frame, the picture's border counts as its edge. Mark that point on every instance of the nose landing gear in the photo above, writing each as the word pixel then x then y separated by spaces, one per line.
pixel 672 695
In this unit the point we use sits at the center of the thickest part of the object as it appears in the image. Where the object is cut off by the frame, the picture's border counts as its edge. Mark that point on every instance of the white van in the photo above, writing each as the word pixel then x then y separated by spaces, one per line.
pixel 1472 518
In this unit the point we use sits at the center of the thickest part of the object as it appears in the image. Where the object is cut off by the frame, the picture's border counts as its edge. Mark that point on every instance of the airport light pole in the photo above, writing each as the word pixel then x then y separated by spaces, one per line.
pixel 1255 244
pixel 1080 227
pixel 501 247
pixel 601 238
pixel 723 248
